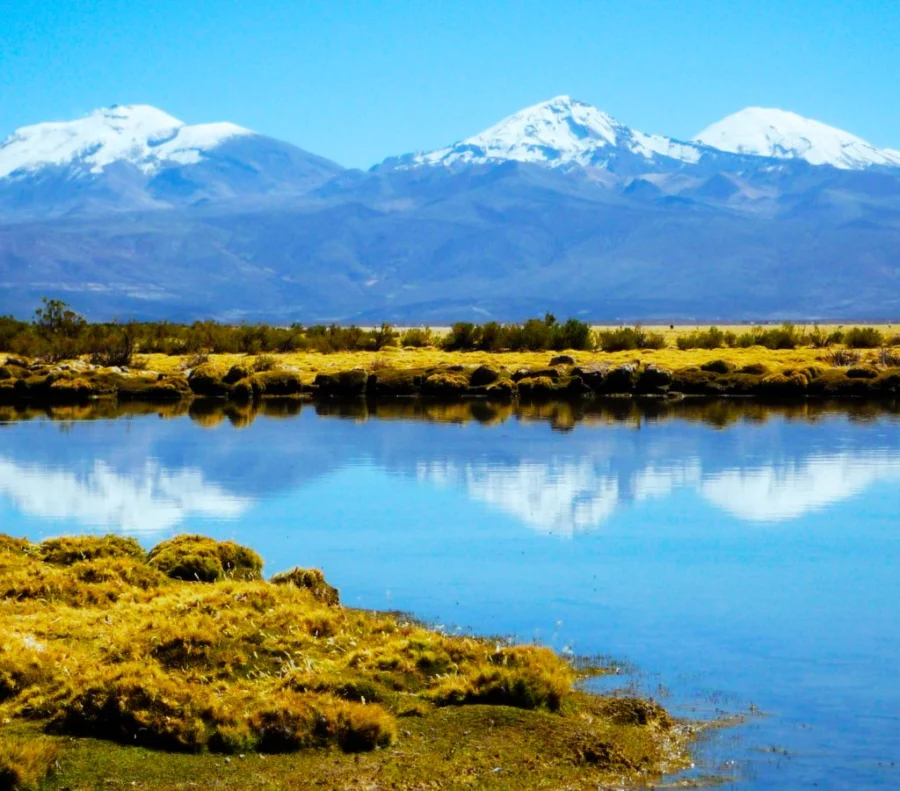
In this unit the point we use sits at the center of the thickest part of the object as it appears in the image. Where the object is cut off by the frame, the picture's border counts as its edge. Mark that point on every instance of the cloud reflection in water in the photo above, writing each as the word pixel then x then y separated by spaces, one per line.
pixel 152 499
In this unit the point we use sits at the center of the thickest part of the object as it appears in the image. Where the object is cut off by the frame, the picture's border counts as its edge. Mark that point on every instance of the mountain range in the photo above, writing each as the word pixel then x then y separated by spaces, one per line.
pixel 764 215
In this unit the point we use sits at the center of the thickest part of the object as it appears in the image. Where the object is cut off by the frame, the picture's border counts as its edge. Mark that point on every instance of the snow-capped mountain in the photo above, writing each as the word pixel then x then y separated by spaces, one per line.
pixel 565 132
pixel 138 134
pixel 779 134
pixel 130 157
pixel 130 212
pixel 558 132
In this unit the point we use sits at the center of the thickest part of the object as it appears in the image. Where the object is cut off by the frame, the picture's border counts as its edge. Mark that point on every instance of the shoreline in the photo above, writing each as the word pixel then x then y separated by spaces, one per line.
pixel 184 661
pixel 404 374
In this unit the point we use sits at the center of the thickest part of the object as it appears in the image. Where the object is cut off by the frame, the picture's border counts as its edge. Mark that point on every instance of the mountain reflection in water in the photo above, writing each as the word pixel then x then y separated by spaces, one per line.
pixel 778 463
pixel 740 552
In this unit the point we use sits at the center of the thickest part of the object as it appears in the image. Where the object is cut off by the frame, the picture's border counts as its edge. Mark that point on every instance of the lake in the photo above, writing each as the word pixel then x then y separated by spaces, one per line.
pixel 732 558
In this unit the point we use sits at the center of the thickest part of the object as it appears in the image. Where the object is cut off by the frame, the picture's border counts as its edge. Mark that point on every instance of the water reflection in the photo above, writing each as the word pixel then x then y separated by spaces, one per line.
pixel 148 499
pixel 776 462
pixel 559 415
pixel 788 491
pixel 559 497
pixel 627 528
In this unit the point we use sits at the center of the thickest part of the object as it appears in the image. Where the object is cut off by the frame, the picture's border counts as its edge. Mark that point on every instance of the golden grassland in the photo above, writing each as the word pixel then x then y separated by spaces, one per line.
pixel 183 668
pixel 308 364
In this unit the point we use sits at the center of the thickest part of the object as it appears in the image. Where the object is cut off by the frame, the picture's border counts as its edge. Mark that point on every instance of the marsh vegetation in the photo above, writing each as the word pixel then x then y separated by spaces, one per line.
pixel 75 362
pixel 187 651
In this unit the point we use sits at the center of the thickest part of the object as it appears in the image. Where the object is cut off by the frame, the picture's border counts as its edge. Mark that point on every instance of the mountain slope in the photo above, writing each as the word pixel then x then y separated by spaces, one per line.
pixel 558 132
pixel 499 242
pixel 136 157
pixel 779 134
pixel 138 134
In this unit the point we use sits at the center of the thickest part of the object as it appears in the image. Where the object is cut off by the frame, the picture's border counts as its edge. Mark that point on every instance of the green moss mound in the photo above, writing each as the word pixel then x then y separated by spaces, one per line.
pixel 201 559
pixel 445 384
pixel 539 387
pixel 484 375
pixel 66 551
pixel 277 383
pixel 208 379
pixel 720 367
pixel 312 580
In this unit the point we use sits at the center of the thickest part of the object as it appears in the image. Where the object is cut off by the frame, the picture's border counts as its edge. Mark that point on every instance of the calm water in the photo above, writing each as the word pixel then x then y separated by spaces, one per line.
pixel 736 557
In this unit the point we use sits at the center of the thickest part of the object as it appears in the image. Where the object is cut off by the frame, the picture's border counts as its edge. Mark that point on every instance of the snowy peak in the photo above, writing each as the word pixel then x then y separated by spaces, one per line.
pixel 556 132
pixel 760 131
pixel 139 134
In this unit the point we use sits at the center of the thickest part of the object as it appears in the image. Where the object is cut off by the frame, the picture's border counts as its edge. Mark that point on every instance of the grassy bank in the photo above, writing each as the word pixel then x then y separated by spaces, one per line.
pixel 184 668
pixel 438 374
pixel 59 358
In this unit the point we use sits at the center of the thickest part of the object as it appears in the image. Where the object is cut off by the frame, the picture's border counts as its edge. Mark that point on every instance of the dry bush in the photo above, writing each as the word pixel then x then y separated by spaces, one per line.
pixel 841 358
pixel 887 357
pixel 265 362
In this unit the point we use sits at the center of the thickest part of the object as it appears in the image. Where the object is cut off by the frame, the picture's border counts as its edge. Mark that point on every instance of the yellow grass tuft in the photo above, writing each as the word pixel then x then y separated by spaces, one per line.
pixel 24 763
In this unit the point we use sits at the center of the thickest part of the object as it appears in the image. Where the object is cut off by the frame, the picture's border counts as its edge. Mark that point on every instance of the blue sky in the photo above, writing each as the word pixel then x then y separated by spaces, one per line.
pixel 364 80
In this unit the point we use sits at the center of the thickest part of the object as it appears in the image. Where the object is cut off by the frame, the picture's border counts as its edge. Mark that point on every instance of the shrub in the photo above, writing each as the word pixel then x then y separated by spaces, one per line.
pixel 787 336
pixel 818 338
pixel 888 358
pixel 532 335
pixel 417 338
pixel 197 558
pixel 629 339
pixel 462 335
pixel 713 338
pixel 24 763
pixel 573 334
pixel 863 338
pixel 113 344
pixel 843 357
pixel 264 362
